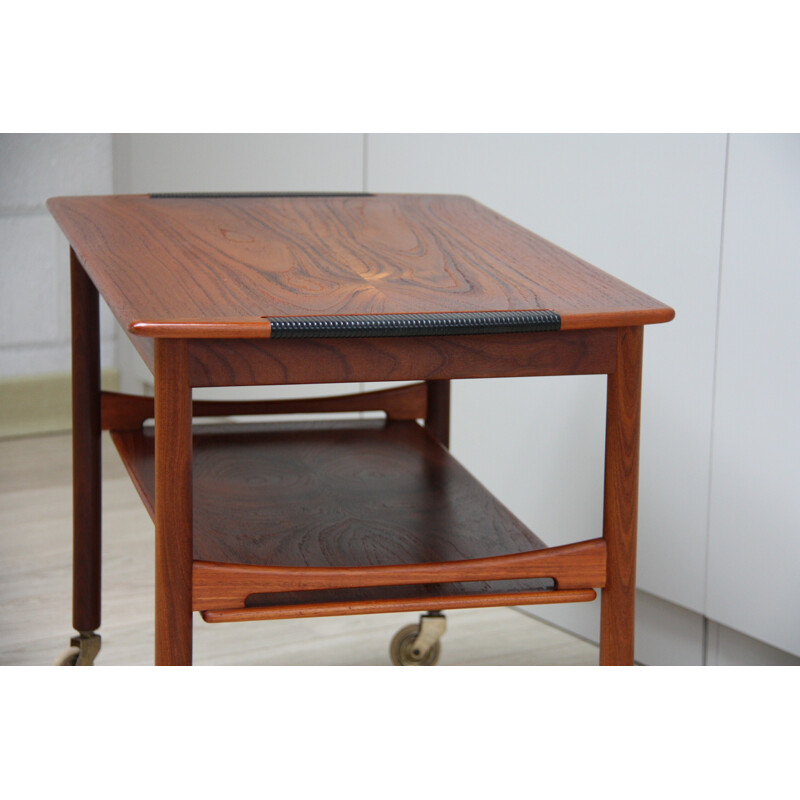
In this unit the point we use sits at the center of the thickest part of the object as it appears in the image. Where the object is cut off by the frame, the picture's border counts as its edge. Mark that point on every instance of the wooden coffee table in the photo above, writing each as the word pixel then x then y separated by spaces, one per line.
pixel 263 520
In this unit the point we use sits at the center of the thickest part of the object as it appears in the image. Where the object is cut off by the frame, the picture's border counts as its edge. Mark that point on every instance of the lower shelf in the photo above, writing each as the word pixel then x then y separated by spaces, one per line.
pixel 355 494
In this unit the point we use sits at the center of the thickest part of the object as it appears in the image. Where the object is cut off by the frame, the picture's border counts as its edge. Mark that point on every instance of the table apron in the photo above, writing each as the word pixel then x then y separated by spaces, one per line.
pixel 256 362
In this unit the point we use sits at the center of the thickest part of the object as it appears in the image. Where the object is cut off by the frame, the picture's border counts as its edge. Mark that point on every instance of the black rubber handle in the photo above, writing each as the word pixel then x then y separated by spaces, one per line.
pixel 434 324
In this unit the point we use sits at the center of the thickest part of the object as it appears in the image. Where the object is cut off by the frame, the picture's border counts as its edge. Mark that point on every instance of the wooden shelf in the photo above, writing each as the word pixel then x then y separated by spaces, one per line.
pixel 335 494
pixel 310 518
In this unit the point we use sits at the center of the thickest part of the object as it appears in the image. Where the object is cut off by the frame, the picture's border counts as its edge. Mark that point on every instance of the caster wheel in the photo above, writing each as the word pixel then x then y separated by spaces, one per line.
pixel 69 658
pixel 402 652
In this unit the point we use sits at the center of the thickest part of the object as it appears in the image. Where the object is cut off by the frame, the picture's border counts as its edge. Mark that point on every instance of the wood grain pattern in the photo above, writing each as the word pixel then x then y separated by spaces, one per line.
pixel 87 474
pixel 217 267
pixel 292 361
pixel 431 603
pixel 129 412
pixel 620 503
pixel 333 494
pixel 573 566
pixel 172 504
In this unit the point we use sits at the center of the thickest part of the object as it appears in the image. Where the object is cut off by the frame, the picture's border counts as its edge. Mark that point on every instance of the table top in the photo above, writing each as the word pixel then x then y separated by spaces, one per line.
pixel 242 266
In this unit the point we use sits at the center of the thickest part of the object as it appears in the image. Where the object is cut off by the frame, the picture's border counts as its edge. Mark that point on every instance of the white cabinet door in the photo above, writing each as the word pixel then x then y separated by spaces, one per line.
pixel 754 540
pixel 648 209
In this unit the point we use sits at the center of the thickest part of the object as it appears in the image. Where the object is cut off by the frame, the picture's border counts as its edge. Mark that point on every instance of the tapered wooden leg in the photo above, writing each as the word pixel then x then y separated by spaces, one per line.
pixel 623 413
pixel 173 421
pixel 438 417
pixel 86 467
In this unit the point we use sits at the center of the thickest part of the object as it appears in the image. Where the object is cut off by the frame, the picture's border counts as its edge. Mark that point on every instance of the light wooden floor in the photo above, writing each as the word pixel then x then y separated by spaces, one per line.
pixel 35 579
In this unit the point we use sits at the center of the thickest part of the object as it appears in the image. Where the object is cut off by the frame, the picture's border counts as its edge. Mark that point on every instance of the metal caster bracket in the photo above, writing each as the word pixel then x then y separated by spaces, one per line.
pixel 82 651
pixel 431 628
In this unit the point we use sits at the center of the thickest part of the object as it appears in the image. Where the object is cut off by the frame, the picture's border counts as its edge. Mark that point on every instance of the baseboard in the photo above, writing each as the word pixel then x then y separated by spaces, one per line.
pixel 41 404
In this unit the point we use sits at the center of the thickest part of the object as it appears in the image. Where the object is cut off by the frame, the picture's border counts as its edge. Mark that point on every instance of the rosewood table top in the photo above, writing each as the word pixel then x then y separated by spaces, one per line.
pixel 235 266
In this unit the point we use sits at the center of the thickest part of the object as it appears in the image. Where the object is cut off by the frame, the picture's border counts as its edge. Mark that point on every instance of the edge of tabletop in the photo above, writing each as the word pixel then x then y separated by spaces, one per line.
pixel 262 328
pixel 202 329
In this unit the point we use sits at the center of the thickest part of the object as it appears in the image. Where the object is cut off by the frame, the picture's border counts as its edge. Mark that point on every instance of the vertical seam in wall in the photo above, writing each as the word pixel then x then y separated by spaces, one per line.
pixel 714 390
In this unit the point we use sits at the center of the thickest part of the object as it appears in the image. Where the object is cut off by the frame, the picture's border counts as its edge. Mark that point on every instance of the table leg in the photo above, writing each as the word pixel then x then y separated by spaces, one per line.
pixel 86 466
pixel 438 417
pixel 623 411
pixel 173 421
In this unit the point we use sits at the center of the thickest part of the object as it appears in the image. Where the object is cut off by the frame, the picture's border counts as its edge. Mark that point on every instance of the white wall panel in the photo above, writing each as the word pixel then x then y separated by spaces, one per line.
pixel 246 162
pixel 35 166
pixel 34 254
pixel 754 540
pixel 29 297
pixel 648 209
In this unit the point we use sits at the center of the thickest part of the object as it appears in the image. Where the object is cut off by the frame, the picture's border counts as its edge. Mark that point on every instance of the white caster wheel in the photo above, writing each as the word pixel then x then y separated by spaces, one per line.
pixel 418 645
pixel 402 650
